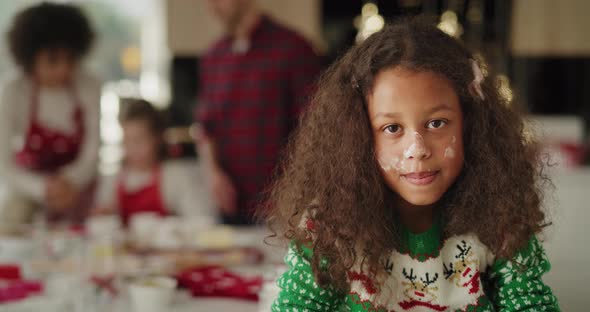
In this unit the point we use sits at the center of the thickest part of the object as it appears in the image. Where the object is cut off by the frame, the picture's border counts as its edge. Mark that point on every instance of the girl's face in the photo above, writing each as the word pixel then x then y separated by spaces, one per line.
pixel 417 125
pixel 140 144
pixel 54 67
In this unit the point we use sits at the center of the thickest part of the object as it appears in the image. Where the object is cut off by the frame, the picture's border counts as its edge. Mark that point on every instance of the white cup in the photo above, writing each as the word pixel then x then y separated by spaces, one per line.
pixel 168 234
pixel 103 225
pixel 143 226
pixel 16 249
pixel 151 294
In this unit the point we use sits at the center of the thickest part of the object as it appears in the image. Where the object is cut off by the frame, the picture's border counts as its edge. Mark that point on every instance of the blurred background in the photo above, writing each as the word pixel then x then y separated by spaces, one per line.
pixel 539 49
pixel 151 48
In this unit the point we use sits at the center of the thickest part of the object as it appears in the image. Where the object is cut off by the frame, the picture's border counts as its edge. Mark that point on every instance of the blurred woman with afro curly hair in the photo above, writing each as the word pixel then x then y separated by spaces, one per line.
pixel 49 115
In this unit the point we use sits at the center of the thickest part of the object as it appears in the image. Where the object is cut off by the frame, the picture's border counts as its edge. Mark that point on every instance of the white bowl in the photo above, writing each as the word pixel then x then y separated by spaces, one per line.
pixel 151 294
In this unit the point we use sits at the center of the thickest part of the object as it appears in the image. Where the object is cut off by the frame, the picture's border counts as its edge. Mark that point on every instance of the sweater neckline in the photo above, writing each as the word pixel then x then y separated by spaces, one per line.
pixel 422 246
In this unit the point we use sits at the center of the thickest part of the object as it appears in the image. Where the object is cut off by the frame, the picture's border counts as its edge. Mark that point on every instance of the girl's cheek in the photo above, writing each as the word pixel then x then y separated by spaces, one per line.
pixel 390 161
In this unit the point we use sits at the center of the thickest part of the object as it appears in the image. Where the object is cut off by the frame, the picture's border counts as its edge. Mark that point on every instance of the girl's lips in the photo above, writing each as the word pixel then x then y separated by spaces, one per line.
pixel 420 178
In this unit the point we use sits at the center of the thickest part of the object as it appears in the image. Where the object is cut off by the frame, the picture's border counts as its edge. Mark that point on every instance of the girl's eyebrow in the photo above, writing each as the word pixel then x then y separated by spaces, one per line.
pixel 441 107
pixel 438 108
pixel 383 114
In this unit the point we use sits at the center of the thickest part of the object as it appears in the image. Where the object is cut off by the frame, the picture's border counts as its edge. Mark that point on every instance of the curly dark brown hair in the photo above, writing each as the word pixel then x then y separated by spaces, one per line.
pixel 49 26
pixel 330 174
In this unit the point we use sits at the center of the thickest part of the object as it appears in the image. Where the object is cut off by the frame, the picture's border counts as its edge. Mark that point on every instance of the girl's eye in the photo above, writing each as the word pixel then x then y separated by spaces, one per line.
pixel 392 129
pixel 436 124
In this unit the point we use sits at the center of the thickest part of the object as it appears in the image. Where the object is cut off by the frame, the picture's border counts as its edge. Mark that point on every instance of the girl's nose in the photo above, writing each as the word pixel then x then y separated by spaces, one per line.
pixel 417 148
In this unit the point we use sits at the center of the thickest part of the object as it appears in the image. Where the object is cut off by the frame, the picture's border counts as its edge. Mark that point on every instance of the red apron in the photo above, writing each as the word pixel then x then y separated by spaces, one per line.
pixel 146 199
pixel 46 150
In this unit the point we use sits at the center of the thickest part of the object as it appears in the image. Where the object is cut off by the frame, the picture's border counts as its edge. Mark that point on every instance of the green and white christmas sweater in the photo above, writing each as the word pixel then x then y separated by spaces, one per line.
pixel 457 274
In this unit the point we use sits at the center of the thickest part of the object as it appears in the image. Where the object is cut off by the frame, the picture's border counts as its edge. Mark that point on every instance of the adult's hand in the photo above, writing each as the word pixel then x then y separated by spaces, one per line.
pixel 223 192
pixel 221 187
pixel 103 210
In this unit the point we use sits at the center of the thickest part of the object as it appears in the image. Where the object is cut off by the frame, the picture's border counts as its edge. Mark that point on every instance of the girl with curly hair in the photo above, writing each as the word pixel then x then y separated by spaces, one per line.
pixel 410 186
pixel 49 115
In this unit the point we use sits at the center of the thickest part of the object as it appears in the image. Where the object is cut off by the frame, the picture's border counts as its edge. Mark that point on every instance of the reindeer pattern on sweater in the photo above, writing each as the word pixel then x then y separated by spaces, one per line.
pixel 457 274
pixel 448 281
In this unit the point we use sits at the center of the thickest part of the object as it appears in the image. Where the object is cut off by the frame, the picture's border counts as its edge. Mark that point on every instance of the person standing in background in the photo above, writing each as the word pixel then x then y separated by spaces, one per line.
pixel 254 83
pixel 49 115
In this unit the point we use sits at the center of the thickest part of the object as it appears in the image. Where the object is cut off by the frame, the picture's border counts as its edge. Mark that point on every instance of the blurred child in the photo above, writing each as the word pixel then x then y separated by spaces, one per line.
pixel 148 183
pixel 49 114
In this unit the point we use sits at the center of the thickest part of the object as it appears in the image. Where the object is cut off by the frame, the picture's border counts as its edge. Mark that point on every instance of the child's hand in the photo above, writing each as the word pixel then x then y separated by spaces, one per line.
pixel 223 192
pixel 61 195
pixel 103 210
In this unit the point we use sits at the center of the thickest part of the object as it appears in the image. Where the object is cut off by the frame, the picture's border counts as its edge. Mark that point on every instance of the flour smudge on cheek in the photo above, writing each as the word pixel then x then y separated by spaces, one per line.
pixel 450 151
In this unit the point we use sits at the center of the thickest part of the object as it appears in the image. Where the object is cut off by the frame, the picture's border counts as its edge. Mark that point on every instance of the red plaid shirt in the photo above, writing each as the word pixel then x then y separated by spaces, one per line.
pixel 249 102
